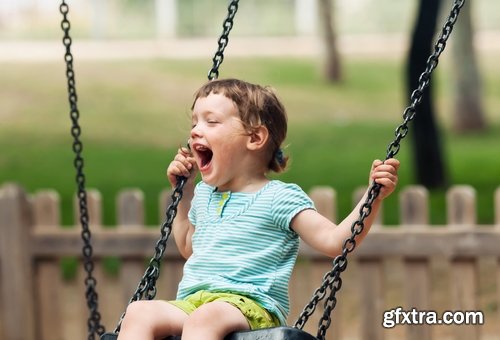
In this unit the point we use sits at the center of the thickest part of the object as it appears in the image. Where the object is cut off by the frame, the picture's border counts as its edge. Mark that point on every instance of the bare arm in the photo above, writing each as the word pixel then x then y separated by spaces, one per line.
pixel 183 165
pixel 328 238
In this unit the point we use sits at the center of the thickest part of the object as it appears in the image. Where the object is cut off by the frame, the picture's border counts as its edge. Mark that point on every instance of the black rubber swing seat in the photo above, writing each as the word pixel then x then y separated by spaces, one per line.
pixel 274 333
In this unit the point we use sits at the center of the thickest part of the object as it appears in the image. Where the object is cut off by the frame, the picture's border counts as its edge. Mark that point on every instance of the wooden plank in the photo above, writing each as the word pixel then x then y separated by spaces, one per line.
pixel 94 206
pixel 319 269
pixel 414 210
pixel 464 295
pixel 372 298
pixel 420 241
pixel 130 216
pixel 417 294
pixel 48 280
pixel 325 200
pixel 461 204
pixel 498 294
pixel 172 265
pixel 16 266
pixel 414 206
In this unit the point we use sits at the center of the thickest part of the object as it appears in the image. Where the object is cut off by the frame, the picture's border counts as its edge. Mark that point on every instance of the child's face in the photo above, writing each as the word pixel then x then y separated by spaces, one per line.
pixel 218 140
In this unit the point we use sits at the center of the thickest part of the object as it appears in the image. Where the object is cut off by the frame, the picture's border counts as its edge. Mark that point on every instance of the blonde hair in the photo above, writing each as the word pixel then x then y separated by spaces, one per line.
pixel 257 106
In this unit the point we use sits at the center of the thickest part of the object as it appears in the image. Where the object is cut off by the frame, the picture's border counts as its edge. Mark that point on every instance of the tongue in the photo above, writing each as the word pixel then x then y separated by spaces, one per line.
pixel 206 158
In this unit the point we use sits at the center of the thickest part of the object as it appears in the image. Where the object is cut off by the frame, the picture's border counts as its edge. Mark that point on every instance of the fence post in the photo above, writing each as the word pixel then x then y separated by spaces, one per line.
pixel 48 283
pixel 414 211
pixel 372 285
pixel 461 209
pixel 324 199
pixel 172 265
pixel 16 265
pixel 130 215
pixel 79 326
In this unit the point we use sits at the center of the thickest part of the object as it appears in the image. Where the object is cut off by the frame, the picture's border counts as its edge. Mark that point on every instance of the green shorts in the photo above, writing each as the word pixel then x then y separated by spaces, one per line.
pixel 256 316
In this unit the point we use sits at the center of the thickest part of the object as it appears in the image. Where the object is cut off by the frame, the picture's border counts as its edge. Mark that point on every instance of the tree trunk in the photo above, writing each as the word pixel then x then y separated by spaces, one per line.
pixel 468 112
pixel 426 143
pixel 332 69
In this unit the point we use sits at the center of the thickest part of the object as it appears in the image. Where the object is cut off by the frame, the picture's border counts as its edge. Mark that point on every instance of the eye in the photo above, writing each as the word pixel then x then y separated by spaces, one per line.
pixel 212 121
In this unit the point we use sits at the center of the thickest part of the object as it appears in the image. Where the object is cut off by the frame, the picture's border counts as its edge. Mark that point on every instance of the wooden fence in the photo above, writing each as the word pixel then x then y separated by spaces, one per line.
pixel 455 267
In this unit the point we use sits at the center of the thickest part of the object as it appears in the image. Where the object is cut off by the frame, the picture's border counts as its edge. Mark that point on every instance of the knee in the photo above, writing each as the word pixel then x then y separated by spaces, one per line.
pixel 204 316
pixel 137 311
pixel 214 317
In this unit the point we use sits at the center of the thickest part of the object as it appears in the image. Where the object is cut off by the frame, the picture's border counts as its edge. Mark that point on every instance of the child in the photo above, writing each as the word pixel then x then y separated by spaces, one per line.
pixel 238 230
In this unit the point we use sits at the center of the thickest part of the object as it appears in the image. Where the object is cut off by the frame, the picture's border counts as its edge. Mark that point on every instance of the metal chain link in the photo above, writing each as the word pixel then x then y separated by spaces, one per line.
pixel 94 321
pixel 147 285
pixel 332 279
pixel 227 25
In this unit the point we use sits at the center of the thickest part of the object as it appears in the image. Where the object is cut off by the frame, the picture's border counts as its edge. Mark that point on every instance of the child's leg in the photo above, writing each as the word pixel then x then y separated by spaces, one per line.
pixel 213 321
pixel 150 320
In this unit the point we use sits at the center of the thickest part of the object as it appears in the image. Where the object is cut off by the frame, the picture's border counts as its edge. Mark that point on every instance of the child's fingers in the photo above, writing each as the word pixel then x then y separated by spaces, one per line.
pixel 183 160
pixel 390 165
pixel 178 169
pixel 376 163
pixel 393 162
pixel 184 151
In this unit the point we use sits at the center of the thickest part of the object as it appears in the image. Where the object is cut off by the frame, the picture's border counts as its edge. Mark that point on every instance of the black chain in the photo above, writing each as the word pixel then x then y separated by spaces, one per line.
pixel 227 25
pixel 332 279
pixel 94 321
pixel 147 286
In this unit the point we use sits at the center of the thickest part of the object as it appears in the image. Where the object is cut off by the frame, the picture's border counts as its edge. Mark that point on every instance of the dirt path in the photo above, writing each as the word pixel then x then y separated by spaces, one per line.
pixel 385 46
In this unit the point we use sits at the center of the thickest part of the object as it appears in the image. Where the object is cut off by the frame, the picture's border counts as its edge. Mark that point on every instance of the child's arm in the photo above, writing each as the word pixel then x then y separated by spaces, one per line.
pixel 328 238
pixel 183 165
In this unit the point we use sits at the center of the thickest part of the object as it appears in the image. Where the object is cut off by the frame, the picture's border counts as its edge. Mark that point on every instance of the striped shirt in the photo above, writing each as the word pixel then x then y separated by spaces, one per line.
pixel 243 243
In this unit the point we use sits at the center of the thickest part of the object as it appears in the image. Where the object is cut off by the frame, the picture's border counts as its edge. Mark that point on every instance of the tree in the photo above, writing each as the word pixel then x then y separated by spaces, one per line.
pixel 332 59
pixel 428 160
pixel 467 112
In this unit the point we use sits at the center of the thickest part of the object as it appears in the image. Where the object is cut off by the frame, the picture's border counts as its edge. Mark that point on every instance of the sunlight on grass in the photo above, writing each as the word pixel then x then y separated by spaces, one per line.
pixel 136 113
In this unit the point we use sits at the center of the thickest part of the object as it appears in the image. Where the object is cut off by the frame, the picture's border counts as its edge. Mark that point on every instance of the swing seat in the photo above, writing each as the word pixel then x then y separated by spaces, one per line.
pixel 274 333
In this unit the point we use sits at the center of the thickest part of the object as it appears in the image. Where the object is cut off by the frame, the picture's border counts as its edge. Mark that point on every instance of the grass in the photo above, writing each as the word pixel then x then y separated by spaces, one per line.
pixel 135 114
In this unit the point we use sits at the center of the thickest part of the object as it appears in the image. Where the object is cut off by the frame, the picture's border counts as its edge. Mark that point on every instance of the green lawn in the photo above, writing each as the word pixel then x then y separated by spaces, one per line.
pixel 136 113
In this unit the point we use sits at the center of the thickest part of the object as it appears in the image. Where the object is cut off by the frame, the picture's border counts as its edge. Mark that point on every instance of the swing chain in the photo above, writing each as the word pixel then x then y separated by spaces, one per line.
pixel 332 279
pixel 227 25
pixel 147 285
pixel 94 321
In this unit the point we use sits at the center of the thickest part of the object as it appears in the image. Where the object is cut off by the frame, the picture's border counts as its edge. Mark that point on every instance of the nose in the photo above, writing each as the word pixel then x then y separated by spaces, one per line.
pixel 195 132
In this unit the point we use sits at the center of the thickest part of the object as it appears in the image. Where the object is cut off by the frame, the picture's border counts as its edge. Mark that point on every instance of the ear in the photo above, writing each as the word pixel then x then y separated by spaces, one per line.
pixel 258 138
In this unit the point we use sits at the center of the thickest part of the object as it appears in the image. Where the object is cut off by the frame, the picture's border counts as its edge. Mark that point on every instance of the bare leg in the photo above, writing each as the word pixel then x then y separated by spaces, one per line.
pixel 213 321
pixel 147 320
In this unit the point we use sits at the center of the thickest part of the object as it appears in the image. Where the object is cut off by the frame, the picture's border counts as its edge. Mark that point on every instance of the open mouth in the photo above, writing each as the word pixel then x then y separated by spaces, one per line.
pixel 205 155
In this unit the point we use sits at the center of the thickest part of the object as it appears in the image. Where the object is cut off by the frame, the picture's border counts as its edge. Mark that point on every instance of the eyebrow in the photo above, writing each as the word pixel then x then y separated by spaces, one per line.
pixel 203 113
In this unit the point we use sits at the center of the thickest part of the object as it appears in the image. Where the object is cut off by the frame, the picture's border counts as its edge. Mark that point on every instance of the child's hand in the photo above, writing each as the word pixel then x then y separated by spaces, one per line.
pixel 182 165
pixel 386 174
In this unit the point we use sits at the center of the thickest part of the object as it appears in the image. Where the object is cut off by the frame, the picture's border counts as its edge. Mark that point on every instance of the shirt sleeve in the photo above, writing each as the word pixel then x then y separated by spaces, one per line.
pixel 288 201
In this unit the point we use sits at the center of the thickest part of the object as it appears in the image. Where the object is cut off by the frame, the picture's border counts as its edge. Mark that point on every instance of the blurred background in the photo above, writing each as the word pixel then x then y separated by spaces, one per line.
pixel 344 70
